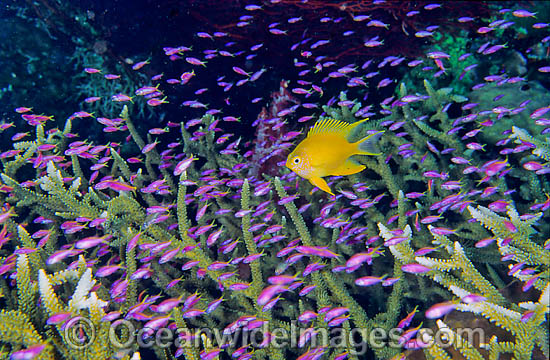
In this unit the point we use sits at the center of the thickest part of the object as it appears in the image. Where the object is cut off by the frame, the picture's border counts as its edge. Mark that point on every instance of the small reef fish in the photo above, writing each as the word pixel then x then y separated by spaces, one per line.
pixel 326 151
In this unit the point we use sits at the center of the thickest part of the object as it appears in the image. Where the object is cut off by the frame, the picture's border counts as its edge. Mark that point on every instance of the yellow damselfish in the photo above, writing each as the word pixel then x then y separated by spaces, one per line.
pixel 326 151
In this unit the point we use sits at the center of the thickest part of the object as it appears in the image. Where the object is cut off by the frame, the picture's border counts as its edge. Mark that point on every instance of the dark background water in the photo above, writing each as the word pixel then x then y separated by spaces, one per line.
pixel 41 38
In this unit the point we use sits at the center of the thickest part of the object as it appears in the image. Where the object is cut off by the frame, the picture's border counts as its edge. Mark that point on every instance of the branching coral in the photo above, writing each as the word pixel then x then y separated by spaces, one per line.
pixel 458 274
pixel 137 226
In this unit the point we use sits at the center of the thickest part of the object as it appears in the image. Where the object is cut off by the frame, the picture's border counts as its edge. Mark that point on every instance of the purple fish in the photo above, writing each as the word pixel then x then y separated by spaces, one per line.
pixel 415 268
pixel 439 310
pixel 29 353
pixel 368 280
pixel 269 292
pixel 191 313
pixel 213 305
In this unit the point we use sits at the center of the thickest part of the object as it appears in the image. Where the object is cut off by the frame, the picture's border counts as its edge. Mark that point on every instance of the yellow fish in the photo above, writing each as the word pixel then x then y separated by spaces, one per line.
pixel 326 151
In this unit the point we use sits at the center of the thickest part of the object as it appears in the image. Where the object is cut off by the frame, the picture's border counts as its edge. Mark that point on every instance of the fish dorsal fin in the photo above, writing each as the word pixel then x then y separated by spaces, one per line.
pixel 333 126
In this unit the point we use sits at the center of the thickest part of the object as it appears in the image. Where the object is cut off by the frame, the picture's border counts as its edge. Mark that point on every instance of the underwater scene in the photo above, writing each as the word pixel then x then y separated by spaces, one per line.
pixel 274 179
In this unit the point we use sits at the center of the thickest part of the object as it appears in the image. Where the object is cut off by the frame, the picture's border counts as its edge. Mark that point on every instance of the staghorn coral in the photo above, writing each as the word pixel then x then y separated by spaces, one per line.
pixel 122 216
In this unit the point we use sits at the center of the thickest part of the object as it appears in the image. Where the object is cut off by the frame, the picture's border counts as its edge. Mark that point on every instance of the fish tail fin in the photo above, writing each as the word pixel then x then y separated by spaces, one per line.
pixel 366 146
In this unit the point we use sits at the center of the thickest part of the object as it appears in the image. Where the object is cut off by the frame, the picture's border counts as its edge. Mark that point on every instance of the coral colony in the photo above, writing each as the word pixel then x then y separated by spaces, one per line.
pixel 162 205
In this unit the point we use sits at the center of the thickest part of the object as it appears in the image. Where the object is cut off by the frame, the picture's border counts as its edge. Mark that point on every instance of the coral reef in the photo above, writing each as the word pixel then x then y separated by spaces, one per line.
pixel 189 239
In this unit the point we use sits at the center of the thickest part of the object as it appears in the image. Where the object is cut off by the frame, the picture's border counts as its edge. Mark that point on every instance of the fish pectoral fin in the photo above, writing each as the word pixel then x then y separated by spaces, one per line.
pixel 348 167
pixel 321 184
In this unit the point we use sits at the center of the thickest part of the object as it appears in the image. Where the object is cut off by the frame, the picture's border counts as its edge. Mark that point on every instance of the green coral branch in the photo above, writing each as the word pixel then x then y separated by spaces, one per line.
pixel 17 329
pixel 513 228
pixel 257 279
pixel 26 290
pixel 540 149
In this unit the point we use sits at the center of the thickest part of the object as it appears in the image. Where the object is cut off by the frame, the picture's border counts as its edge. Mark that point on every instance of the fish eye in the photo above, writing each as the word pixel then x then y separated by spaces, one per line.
pixel 296 160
